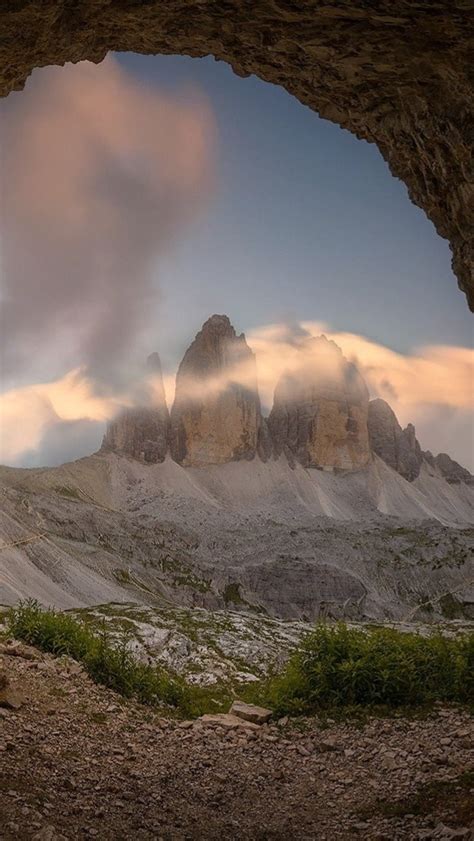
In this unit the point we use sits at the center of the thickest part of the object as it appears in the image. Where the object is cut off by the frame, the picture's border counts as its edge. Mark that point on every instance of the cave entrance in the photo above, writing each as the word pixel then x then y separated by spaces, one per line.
pixel 398 78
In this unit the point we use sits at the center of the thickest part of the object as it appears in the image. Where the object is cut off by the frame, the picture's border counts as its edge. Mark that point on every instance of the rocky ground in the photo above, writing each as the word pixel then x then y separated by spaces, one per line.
pixel 77 761
pixel 222 646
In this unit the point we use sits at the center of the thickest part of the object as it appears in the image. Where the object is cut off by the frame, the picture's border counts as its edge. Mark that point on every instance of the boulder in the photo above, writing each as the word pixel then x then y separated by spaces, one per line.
pixel 13 648
pixel 319 415
pixel 10 698
pixel 250 712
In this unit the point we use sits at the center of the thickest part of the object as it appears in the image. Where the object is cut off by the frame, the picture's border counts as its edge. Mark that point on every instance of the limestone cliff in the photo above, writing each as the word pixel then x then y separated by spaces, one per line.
pixel 319 415
pixel 142 432
pixel 216 414
pixel 451 470
pixel 397 447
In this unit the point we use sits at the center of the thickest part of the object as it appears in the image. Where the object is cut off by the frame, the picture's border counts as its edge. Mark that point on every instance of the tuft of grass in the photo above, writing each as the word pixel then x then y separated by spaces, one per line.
pixel 337 667
pixel 107 662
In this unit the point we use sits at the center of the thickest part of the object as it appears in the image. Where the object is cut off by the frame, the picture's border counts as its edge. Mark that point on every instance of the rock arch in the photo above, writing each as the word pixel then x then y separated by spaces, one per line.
pixel 397 74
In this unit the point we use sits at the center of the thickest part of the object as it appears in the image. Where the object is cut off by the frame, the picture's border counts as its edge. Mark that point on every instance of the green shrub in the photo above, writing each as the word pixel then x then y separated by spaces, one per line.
pixel 107 662
pixel 340 667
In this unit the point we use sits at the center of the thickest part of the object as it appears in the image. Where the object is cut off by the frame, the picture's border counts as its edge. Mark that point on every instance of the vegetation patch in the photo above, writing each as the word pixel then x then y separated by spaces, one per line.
pixel 232 595
pixel 338 667
pixel 335 670
pixel 122 576
pixel 108 662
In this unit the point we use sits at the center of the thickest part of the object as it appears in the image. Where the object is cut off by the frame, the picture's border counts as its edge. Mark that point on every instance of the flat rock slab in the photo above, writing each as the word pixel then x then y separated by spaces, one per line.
pixel 233 722
pixel 250 712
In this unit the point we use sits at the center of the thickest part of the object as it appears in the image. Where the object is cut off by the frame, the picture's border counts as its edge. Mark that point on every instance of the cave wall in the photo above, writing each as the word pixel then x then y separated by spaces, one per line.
pixel 400 75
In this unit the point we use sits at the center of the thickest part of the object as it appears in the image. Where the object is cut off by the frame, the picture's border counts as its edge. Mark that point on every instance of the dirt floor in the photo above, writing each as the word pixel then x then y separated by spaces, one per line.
pixel 76 761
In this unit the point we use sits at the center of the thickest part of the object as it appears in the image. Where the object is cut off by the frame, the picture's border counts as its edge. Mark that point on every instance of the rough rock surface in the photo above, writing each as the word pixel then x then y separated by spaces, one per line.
pixel 319 414
pixel 397 75
pixel 78 761
pixel 142 433
pixel 10 698
pixel 397 447
pixel 205 647
pixel 247 536
pixel 216 413
pixel 453 472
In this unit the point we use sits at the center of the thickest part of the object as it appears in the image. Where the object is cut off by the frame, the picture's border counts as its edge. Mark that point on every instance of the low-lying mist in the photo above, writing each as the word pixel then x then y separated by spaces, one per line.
pixel 431 387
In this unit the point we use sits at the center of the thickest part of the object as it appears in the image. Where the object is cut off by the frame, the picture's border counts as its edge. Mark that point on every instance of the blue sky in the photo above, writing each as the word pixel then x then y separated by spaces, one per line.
pixel 306 222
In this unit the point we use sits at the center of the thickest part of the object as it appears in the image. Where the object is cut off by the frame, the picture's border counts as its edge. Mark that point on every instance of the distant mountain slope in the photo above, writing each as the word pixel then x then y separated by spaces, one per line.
pixel 292 542
pixel 321 417
pixel 329 507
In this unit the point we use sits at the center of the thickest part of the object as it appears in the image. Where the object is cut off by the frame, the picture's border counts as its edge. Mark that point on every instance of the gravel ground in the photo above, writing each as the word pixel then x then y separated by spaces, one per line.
pixel 76 761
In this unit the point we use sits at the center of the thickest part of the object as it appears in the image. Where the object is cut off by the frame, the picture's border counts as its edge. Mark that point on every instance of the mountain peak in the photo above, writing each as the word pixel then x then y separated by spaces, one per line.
pixel 397 447
pixel 217 321
pixel 153 363
pixel 142 432
pixel 319 415
pixel 216 414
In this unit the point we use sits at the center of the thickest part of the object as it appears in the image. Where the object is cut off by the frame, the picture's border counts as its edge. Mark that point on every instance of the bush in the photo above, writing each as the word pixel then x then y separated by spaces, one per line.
pixel 106 661
pixel 340 667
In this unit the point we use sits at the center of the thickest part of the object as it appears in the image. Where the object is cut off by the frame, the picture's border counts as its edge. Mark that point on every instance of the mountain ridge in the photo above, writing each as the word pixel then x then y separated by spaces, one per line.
pixel 380 531
pixel 321 417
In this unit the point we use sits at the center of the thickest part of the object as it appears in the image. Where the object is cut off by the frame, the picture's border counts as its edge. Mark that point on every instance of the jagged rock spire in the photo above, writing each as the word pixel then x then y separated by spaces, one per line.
pixel 319 415
pixel 142 432
pixel 397 447
pixel 216 414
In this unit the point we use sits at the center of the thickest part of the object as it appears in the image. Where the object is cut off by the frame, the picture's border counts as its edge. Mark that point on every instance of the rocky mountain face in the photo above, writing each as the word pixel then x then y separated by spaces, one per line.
pixel 397 447
pixel 319 415
pixel 142 433
pixel 449 469
pixel 216 414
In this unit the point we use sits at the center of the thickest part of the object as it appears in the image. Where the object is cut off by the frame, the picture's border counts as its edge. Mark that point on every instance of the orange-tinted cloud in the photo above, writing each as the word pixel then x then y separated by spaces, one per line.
pixel 26 413
pixel 98 176
pixel 431 387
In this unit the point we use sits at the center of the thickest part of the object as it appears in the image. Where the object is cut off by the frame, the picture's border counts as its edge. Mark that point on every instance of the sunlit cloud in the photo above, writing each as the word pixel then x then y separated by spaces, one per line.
pixel 27 413
pixel 431 387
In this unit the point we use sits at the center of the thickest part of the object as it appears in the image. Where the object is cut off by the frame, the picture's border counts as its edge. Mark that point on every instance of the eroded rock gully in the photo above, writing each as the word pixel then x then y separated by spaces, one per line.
pixel 398 75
